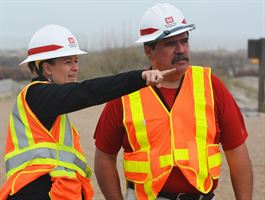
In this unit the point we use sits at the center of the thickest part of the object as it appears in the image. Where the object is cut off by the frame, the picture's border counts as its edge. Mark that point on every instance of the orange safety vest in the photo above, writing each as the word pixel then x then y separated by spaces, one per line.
pixel 183 137
pixel 32 151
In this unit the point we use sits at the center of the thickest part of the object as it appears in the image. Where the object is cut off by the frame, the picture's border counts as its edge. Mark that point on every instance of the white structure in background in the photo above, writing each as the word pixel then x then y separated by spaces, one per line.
pixel 9 87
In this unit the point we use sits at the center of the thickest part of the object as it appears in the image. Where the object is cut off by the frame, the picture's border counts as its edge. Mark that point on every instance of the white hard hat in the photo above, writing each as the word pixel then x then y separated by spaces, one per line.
pixel 161 21
pixel 52 41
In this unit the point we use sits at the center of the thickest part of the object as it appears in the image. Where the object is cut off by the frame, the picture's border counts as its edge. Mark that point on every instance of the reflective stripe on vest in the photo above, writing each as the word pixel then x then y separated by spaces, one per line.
pixel 183 137
pixel 45 153
pixel 34 144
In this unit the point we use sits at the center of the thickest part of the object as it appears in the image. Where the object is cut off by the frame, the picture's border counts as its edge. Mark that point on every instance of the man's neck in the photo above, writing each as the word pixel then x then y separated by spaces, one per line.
pixel 172 82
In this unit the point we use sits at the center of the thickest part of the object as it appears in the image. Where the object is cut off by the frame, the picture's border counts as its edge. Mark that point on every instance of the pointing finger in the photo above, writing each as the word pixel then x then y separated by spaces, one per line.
pixel 168 71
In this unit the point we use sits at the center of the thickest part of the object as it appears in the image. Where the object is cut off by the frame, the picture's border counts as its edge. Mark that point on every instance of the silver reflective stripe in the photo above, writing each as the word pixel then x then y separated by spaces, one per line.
pixel 64 156
pixel 72 158
pixel 19 159
pixel 68 138
pixel 19 128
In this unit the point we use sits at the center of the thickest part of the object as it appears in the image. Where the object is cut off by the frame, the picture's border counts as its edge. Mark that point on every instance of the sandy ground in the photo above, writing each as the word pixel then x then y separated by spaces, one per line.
pixel 86 120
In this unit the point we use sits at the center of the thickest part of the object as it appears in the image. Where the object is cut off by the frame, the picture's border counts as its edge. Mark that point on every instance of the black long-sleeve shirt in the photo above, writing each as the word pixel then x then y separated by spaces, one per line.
pixel 47 101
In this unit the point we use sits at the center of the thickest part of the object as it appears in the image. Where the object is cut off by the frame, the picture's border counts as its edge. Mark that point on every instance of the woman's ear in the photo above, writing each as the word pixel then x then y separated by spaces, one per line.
pixel 47 68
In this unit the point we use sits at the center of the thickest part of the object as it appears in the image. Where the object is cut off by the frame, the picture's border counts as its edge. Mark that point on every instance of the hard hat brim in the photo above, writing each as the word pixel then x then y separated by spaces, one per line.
pixel 46 56
pixel 153 37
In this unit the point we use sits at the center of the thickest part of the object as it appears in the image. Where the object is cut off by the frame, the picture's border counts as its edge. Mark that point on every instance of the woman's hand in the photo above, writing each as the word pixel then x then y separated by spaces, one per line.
pixel 155 77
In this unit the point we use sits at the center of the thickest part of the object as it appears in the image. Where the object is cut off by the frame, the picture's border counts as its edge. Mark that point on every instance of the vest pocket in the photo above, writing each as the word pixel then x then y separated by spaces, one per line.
pixel 136 166
pixel 214 160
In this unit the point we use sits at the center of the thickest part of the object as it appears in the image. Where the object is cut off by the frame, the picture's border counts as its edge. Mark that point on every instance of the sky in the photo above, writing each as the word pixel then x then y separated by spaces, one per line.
pixel 99 24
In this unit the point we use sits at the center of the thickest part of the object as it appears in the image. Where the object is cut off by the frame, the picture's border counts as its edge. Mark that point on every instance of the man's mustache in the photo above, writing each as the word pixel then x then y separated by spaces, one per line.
pixel 180 57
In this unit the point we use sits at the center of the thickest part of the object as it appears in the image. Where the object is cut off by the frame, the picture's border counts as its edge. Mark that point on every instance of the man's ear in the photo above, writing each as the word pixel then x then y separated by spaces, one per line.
pixel 148 51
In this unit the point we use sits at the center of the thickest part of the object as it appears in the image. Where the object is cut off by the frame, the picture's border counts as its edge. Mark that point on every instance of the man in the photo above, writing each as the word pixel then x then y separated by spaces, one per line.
pixel 171 135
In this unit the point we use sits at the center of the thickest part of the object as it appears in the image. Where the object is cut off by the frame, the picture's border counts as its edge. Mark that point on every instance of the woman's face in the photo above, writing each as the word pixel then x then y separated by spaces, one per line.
pixel 64 70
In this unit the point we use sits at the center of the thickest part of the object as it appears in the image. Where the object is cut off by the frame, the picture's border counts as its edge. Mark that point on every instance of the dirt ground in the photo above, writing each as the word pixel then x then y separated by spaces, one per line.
pixel 86 120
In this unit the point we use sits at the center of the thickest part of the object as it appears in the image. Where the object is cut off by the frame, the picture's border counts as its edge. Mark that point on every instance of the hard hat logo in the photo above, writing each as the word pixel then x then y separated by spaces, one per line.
pixel 72 42
pixel 52 41
pixel 160 21
pixel 169 20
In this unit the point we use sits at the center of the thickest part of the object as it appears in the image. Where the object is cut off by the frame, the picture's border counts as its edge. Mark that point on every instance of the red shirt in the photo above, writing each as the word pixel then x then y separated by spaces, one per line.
pixel 110 133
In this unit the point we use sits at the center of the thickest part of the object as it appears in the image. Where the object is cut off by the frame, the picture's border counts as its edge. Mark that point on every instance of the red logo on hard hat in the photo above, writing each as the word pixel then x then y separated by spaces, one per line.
pixel 184 21
pixel 169 20
pixel 71 40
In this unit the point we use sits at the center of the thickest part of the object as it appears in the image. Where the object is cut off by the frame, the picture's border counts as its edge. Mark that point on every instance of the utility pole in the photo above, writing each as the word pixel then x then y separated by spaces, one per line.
pixel 256 50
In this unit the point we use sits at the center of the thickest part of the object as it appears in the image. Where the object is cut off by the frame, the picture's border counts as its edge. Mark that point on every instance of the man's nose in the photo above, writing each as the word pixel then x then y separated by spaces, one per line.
pixel 179 47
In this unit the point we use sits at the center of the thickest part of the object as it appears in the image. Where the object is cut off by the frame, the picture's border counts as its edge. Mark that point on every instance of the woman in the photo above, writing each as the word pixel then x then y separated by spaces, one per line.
pixel 44 159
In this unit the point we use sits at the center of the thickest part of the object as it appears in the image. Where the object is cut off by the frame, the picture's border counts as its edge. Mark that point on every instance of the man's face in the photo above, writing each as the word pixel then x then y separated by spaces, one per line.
pixel 171 52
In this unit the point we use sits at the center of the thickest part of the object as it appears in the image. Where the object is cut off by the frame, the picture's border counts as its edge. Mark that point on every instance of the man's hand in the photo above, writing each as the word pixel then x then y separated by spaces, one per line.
pixel 155 77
